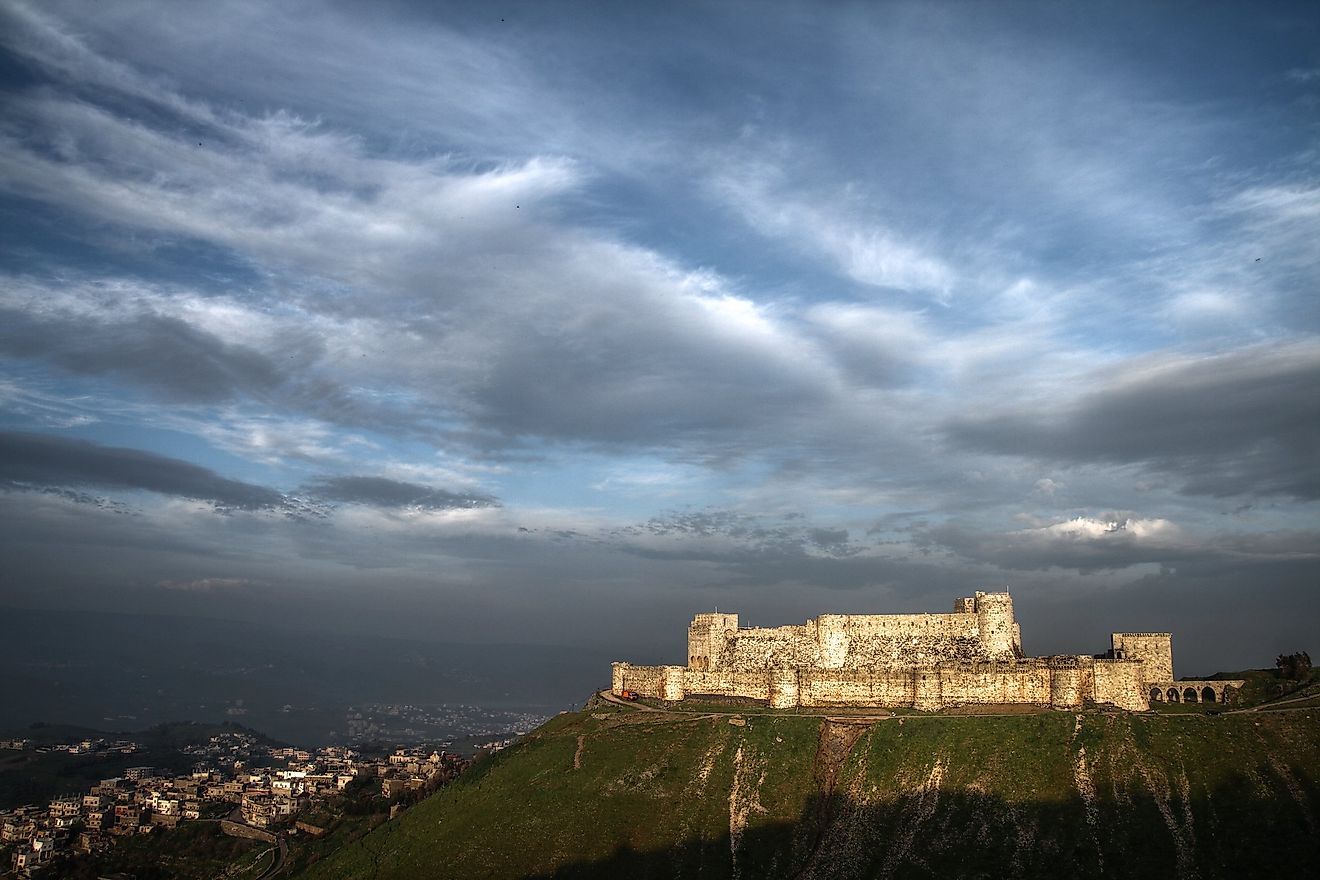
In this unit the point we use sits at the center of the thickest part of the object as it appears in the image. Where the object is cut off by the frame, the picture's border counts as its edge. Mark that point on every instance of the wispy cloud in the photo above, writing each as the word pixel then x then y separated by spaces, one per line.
pixel 842 228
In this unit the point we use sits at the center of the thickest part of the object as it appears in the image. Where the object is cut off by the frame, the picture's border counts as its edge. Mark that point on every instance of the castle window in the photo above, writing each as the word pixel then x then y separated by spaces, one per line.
pixel 1189 695
pixel 1156 695
pixel 1173 695
pixel 1208 695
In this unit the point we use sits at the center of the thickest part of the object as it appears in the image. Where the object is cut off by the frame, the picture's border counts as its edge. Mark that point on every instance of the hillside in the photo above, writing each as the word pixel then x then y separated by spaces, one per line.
pixel 30 776
pixel 614 792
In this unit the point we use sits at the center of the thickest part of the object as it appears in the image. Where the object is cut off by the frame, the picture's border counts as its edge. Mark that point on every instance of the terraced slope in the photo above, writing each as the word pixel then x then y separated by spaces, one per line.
pixel 616 793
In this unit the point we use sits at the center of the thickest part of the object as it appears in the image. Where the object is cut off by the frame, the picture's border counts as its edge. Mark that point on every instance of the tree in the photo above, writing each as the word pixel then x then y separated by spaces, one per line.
pixel 1295 666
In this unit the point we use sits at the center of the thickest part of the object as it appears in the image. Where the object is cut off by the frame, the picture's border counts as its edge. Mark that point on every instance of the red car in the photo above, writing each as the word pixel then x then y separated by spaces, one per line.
pixel 628 695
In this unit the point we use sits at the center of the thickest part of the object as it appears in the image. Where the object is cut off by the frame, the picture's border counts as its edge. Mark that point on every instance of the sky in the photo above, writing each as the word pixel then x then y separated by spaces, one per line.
pixel 556 323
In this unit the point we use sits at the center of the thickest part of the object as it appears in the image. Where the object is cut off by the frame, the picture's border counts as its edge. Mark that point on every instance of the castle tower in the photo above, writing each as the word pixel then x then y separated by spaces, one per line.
pixel 706 639
pixel 1154 650
pixel 1000 636
pixel 784 688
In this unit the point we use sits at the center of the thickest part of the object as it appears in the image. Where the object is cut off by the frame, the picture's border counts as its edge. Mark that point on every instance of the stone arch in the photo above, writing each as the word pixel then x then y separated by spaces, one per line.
pixel 1156 695
pixel 1173 695
pixel 1189 695
pixel 1207 694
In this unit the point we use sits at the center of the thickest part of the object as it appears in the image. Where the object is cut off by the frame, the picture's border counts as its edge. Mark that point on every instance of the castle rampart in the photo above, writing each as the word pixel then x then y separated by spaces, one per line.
pixel 1153 649
pixel 924 661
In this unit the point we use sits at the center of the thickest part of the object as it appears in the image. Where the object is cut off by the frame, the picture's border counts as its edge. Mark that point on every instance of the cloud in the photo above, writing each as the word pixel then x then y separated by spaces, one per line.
pixel 418 296
pixel 1090 529
pixel 1207 306
pixel 162 352
pixel 831 226
pixel 877 346
pixel 1242 423
pixel 1085 544
pixel 208 585
pixel 39 460
pixel 1115 541
pixel 1047 487
pixel 381 492
pixel 727 535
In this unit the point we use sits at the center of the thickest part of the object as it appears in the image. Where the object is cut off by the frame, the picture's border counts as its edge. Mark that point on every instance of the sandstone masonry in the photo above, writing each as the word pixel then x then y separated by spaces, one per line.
pixel 921 661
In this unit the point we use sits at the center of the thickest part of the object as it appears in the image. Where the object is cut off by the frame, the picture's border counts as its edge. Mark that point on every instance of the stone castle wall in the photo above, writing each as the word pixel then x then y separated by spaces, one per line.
pixel 1153 649
pixel 1062 682
pixel 980 628
pixel 926 661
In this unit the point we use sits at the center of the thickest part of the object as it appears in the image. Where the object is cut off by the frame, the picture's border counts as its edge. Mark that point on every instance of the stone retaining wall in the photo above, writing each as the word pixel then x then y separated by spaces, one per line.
pixel 237 829
pixel 1064 682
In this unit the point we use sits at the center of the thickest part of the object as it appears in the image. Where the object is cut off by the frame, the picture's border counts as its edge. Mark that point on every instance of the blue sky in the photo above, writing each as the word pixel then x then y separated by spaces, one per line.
pixel 486 320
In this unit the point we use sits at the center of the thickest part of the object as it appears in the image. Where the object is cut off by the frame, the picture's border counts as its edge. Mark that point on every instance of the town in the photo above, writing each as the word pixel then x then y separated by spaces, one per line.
pixel 251 790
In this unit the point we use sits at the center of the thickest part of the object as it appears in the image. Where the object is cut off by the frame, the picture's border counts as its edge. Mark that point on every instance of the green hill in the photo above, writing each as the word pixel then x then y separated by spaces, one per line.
pixel 612 792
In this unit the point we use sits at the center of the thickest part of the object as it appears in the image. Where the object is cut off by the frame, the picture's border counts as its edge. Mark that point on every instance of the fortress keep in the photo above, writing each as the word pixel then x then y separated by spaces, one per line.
pixel 921 661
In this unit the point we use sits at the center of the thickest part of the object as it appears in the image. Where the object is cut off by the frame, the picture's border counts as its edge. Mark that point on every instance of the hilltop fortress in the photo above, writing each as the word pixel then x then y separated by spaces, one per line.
pixel 920 661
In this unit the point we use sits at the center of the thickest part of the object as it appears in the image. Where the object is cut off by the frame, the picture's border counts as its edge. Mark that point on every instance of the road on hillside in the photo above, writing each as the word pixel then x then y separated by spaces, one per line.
pixel 281 856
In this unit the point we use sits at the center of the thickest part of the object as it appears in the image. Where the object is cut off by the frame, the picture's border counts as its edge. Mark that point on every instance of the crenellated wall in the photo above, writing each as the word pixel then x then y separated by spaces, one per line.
pixel 925 661
pixel 1152 648
pixel 981 627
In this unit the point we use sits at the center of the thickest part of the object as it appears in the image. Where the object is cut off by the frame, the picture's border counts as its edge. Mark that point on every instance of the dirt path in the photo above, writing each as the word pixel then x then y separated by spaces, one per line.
pixel 838 736
pixel 608 696
pixel 1273 707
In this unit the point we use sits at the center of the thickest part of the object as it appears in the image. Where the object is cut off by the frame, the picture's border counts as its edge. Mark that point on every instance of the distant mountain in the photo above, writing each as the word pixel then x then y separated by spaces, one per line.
pixel 610 792
pixel 121 671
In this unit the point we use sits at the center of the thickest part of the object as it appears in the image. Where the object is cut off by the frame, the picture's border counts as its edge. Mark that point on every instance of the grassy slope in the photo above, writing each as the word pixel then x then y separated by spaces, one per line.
pixel 1034 796
pixel 1116 795
pixel 193 851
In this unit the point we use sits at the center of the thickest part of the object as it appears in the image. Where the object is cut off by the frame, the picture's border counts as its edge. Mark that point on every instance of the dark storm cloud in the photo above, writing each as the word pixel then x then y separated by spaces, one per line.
pixel 175 360
pixel 1088 546
pixel 1224 614
pixel 725 536
pixel 644 381
pixel 832 540
pixel 158 351
pixel 1245 423
pixel 764 553
pixel 100 502
pixel 380 492
pixel 42 460
pixel 1037 549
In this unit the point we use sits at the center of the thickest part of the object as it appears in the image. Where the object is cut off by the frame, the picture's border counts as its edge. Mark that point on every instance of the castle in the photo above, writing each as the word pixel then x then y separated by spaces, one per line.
pixel 920 661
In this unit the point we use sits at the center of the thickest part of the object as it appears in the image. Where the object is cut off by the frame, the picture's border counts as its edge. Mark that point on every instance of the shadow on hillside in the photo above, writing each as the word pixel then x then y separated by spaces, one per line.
pixel 1230 833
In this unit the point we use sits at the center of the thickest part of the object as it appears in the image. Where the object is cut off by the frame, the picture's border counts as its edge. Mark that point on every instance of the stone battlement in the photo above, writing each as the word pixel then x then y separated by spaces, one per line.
pixel 925 661
pixel 981 627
